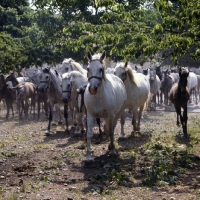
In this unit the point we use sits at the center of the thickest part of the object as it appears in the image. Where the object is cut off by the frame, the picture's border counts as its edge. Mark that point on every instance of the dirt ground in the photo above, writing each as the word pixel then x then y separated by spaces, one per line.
pixel 39 167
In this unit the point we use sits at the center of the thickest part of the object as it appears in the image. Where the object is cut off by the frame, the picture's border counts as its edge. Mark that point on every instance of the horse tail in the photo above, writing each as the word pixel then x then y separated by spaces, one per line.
pixel 147 101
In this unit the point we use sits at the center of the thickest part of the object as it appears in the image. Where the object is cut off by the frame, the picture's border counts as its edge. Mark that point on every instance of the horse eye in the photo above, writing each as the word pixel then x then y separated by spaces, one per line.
pixel 47 77
pixel 66 69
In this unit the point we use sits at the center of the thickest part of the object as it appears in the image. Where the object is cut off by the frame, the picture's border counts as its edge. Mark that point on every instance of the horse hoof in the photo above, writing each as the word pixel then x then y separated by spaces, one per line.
pixel 88 159
pixel 82 131
pixel 121 138
pixel 77 134
pixel 59 122
pixel 113 153
pixel 47 133
pixel 53 124
pixel 66 130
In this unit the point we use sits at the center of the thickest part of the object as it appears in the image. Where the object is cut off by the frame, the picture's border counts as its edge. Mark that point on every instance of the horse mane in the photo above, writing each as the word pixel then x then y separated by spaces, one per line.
pixel 129 71
pixel 68 60
pixel 78 67
pixel 71 74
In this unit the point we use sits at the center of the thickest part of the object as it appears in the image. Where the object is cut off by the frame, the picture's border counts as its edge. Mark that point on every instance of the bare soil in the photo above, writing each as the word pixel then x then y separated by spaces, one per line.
pixel 39 167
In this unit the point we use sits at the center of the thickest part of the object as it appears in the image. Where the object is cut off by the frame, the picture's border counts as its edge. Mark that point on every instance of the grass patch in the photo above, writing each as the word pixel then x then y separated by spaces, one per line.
pixel 167 164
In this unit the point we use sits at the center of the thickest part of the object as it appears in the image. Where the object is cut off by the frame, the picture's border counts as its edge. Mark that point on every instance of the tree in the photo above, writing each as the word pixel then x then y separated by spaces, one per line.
pixel 127 30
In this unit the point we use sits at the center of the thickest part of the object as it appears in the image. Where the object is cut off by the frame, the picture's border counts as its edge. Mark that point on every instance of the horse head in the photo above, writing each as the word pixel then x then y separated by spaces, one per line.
pixel 67 66
pixel 66 86
pixel 120 70
pixel 152 74
pixel 44 80
pixel 95 71
pixel 183 75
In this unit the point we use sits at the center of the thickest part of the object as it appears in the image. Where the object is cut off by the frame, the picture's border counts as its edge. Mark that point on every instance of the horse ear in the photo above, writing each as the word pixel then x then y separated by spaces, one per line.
pixel 136 68
pixel 103 56
pixel 56 72
pixel 180 71
pixel 126 64
pixel 89 56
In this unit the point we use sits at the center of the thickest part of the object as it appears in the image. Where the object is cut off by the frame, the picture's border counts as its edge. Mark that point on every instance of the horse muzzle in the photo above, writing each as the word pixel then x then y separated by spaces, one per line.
pixel 93 90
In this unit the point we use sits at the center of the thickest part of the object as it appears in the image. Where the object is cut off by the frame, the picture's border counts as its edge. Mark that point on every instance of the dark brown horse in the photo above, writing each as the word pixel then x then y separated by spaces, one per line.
pixel 179 95
pixel 7 94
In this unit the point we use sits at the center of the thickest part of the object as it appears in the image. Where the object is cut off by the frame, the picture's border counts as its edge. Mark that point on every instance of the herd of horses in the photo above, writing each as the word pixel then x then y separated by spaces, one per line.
pixel 100 92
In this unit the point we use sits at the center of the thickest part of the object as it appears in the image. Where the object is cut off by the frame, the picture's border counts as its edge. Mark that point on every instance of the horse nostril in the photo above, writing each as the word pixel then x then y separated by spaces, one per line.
pixel 95 88
pixel 65 100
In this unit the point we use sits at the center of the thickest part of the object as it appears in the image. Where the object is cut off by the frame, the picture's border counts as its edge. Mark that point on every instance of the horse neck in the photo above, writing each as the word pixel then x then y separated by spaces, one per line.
pixel 128 83
pixel 80 81
pixel 55 82
pixel 14 81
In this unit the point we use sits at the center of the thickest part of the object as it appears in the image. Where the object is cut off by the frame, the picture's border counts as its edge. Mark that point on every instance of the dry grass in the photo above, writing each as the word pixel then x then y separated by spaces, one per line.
pixel 157 163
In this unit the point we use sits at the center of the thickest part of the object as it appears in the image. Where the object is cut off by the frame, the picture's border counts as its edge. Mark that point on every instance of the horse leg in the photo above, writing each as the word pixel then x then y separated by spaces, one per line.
pixel 74 120
pixel 122 121
pixel 178 113
pixel 50 118
pixel 12 110
pixel 158 97
pixel 53 120
pixel 79 128
pixel 38 103
pixel 99 125
pixel 57 107
pixel 8 108
pixel 110 125
pixel 90 124
pixel 33 104
pixel 184 124
pixel 195 91
pixel 134 120
pixel 154 102
pixel 161 97
pixel 46 108
pixel 139 116
pixel 66 116
pixel 20 109
pixel 26 107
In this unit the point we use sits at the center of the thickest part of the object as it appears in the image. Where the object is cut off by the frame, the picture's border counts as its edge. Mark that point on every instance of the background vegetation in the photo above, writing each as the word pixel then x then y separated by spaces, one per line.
pixel 126 29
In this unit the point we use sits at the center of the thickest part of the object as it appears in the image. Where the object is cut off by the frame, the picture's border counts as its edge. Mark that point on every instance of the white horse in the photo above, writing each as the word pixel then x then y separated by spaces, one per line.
pixel 69 64
pixel 155 85
pixel 137 89
pixel 72 81
pixel 192 85
pixel 50 81
pixel 105 97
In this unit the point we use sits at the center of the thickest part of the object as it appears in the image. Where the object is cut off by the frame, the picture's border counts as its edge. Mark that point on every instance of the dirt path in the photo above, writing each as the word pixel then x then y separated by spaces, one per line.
pixel 34 166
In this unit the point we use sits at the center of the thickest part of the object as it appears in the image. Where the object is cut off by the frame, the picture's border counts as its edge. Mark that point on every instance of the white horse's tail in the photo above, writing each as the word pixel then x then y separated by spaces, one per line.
pixel 146 104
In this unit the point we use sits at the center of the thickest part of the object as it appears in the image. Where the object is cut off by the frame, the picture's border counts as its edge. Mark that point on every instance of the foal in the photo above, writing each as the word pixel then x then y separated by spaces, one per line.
pixel 179 95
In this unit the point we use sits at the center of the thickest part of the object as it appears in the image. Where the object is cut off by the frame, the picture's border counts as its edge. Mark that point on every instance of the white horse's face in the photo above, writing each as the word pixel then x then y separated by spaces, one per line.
pixel 66 67
pixel 44 80
pixel 152 74
pixel 95 75
pixel 121 73
pixel 66 86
